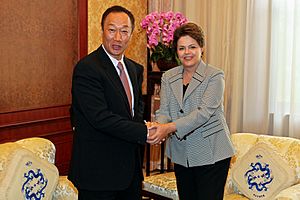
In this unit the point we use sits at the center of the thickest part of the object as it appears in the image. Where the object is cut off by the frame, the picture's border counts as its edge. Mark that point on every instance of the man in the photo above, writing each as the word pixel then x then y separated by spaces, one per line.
pixel 108 116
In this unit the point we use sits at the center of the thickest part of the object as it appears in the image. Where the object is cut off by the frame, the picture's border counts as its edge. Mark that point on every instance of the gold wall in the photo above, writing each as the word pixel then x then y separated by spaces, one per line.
pixel 137 49
pixel 39 45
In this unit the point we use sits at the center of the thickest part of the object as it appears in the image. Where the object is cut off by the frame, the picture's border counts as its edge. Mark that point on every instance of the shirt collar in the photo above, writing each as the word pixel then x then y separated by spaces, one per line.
pixel 113 60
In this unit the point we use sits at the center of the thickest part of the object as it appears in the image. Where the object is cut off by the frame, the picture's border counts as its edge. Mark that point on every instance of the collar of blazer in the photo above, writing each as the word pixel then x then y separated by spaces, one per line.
pixel 112 74
pixel 176 82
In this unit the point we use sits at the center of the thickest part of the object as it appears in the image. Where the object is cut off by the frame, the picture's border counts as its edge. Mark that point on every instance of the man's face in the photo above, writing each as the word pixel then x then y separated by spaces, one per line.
pixel 116 33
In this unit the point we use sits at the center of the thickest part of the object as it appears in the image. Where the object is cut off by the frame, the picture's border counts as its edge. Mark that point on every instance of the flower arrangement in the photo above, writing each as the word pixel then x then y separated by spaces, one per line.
pixel 160 28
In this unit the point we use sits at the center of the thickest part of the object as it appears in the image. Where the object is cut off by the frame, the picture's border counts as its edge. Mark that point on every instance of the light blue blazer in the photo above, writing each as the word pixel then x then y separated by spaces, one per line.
pixel 202 135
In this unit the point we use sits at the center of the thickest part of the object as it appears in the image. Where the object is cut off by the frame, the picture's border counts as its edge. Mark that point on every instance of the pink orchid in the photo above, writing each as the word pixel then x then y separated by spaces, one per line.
pixel 160 29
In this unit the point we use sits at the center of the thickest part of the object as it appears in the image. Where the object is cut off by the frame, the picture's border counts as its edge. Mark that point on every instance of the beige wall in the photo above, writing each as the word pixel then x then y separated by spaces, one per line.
pixel 137 49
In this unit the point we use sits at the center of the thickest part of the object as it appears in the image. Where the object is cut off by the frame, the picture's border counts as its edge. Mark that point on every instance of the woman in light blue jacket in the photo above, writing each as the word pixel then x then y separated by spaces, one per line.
pixel 191 118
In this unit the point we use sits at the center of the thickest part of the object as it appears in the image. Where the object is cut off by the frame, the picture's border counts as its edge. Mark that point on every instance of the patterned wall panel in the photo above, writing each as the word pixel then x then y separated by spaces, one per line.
pixel 137 49
pixel 38 51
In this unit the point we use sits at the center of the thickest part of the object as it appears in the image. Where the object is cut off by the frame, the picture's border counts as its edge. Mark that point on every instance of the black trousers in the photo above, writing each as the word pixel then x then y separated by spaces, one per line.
pixel 133 192
pixel 202 183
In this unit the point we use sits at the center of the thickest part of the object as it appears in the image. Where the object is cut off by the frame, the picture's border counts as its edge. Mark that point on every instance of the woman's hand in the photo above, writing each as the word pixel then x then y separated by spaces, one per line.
pixel 160 132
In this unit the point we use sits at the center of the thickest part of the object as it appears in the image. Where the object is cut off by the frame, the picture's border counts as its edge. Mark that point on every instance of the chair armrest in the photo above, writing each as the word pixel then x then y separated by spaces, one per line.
pixel 290 193
pixel 65 190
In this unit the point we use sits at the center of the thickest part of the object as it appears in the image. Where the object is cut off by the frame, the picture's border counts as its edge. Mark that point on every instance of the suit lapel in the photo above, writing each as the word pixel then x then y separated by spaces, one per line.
pixel 176 85
pixel 197 79
pixel 113 75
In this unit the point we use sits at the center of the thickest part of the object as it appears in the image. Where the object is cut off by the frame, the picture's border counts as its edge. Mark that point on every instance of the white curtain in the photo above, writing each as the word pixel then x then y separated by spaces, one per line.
pixel 285 67
pixel 272 68
pixel 256 67
pixel 256 43
pixel 223 22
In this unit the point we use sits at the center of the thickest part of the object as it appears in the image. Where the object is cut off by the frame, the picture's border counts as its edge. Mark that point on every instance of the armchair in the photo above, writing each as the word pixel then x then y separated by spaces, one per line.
pixel 27 171
pixel 264 167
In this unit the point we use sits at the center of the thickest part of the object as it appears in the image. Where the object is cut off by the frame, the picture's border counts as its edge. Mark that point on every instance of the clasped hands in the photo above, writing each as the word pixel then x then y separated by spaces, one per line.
pixel 159 132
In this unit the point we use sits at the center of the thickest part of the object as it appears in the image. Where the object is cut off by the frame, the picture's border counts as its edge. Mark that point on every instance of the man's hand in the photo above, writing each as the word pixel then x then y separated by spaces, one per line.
pixel 159 132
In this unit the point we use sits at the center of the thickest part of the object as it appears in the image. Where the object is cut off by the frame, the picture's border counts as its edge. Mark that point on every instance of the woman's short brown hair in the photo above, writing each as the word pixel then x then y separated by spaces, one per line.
pixel 192 30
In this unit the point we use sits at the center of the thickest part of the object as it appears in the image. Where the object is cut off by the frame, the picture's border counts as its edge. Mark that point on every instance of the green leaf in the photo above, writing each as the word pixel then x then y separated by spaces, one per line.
pixel 162 51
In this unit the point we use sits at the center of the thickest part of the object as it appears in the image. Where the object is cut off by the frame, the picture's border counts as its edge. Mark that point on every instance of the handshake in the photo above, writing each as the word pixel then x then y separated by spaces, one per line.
pixel 157 133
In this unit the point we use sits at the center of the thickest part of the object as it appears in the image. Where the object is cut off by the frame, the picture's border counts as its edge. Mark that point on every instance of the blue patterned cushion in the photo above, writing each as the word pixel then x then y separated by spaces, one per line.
pixel 262 172
pixel 27 177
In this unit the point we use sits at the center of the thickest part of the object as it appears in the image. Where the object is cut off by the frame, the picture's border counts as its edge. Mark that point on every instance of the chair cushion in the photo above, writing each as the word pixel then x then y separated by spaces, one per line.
pixel 242 143
pixel 291 193
pixel 162 184
pixel 26 176
pixel 262 172
pixel 288 147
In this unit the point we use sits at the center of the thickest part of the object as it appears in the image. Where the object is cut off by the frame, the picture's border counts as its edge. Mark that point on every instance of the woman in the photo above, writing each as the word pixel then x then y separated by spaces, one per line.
pixel 192 119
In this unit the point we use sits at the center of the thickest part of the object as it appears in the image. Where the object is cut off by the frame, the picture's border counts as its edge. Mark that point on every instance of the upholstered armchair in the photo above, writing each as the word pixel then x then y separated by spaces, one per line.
pixel 27 171
pixel 264 167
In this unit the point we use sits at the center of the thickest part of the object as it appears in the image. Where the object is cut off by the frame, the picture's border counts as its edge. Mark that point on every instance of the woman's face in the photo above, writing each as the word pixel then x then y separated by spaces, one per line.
pixel 188 51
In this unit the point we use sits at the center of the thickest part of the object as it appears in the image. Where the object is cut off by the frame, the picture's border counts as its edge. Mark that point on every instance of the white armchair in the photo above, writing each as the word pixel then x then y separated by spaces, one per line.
pixel 27 171
pixel 264 167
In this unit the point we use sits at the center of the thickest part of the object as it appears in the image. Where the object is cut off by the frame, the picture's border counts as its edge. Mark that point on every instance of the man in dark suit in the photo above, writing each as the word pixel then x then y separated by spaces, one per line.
pixel 108 116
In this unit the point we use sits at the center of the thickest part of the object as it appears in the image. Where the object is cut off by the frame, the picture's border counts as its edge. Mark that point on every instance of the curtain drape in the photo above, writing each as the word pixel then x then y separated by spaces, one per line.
pixel 256 70
pixel 255 43
pixel 159 5
pixel 284 99
pixel 272 68
pixel 224 25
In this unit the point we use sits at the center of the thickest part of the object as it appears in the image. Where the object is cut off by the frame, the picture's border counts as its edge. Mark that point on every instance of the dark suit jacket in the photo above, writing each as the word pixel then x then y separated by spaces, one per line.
pixel 107 139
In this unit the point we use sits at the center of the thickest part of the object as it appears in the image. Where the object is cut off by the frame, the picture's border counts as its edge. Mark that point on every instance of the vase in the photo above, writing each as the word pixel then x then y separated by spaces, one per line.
pixel 165 65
